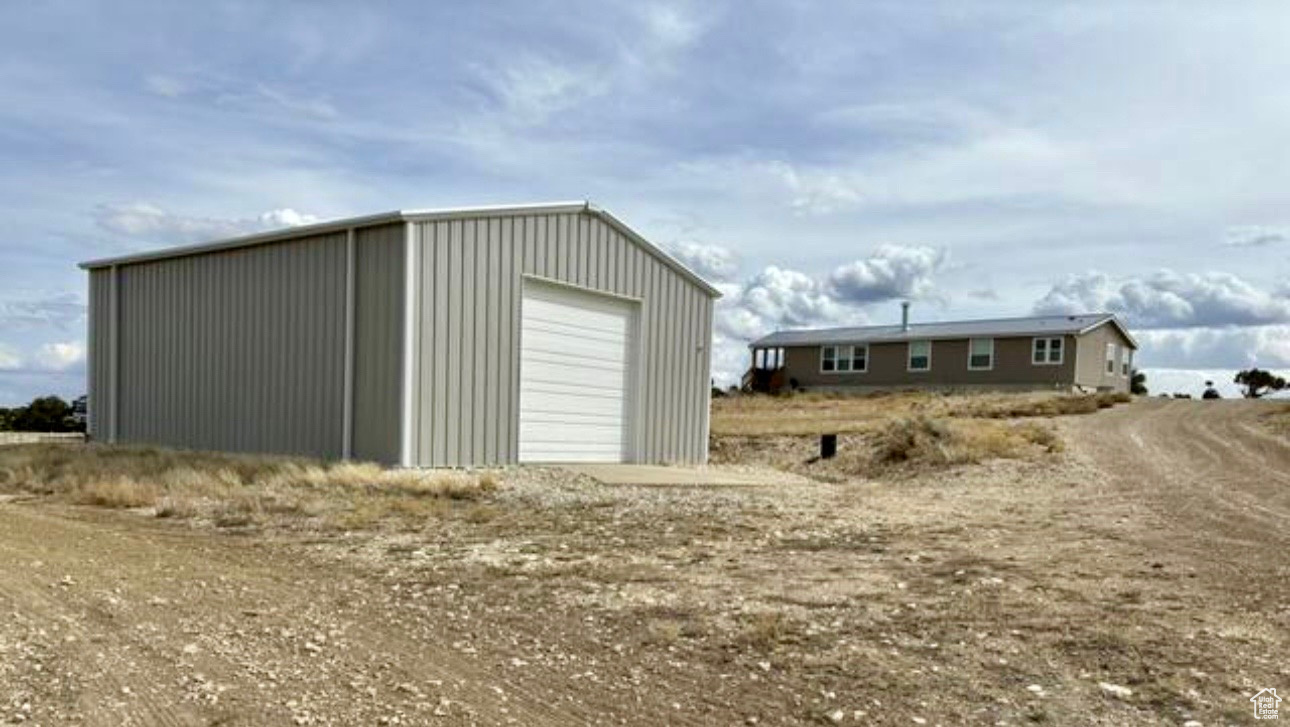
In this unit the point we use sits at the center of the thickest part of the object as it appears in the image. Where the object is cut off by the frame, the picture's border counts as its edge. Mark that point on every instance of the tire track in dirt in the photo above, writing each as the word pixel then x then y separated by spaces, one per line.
pixel 1205 468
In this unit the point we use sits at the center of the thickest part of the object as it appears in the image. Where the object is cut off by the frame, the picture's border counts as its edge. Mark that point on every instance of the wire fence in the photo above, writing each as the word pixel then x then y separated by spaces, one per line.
pixel 39 437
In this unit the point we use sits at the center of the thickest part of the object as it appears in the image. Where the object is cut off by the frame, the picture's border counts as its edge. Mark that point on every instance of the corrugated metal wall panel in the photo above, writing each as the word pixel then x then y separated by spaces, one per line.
pixel 100 353
pixel 378 342
pixel 470 272
pixel 241 350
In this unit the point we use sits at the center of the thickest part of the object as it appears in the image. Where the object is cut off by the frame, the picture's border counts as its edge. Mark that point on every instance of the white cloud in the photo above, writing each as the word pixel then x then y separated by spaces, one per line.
pixel 713 263
pixel 773 299
pixel 1256 236
pixel 266 96
pixel 58 356
pixel 9 359
pixel 164 85
pixel 532 88
pixel 1168 299
pixel 778 298
pixel 1190 381
pixel 1234 347
pixel 893 271
pixel 61 311
pixel 141 220
pixel 671 26
pixel 285 217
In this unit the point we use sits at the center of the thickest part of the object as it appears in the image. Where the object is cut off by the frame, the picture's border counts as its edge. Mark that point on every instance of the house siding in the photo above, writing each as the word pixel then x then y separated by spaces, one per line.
pixel 1092 359
pixel 888 366
pixel 465 382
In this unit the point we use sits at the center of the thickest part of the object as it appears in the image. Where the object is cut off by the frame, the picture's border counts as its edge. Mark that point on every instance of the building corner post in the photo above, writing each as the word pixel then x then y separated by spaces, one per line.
pixel 406 458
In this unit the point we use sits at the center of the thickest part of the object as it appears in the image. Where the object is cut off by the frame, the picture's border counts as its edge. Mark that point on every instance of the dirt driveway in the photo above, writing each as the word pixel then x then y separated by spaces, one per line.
pixel 1139 578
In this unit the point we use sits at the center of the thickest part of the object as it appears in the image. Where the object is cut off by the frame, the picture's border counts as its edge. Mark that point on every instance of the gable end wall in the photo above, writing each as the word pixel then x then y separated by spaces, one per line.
pixel 465 379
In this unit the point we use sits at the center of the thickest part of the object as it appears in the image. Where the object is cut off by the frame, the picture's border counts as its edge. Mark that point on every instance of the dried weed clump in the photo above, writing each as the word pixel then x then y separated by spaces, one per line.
pixel 928 441
pixel 1279 421
pixel 237 490
pixel 117 492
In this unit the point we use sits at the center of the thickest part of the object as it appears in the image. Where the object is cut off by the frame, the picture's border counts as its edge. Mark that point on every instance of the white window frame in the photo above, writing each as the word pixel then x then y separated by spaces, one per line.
pixel 909 357
pixel 824 357
pixel 1111 358
pixel 987 367
pixel 845 352
pixel 1126 361
pixel 860 347
pixel 1048 350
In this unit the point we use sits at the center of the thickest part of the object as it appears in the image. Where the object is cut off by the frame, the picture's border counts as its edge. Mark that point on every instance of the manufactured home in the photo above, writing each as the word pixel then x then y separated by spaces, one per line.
pixel 1092 352
pixel 482 336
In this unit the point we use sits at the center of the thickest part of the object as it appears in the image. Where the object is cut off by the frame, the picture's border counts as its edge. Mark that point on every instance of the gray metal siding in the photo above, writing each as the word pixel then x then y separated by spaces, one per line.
pixel 466 363
pixel 378 342
pixel 241 350
pixel 100 353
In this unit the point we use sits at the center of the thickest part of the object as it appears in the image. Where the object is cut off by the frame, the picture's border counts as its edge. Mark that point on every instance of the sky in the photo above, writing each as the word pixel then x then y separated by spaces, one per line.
pixel 819 162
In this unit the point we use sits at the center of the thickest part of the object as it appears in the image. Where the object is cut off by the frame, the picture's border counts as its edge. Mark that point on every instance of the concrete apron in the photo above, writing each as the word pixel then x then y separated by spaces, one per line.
pixel 659 476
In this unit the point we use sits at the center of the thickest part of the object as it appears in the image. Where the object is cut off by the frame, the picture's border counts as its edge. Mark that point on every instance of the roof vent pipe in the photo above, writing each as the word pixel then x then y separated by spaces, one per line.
pixel 904 316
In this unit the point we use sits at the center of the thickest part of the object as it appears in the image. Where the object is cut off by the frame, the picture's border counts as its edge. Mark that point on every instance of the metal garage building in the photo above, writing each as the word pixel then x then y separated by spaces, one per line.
pixel 541 333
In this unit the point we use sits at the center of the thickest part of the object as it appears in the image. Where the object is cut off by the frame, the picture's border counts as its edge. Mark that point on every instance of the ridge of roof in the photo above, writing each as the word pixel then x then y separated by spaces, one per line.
pixel 1078 323
pixel 418 215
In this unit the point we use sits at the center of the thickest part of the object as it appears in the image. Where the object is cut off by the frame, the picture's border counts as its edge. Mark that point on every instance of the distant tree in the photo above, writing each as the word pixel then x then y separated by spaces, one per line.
pixel 1138 383
pixel 6 415
pixel 46 414
pixel 1210 391
pixel 1257 382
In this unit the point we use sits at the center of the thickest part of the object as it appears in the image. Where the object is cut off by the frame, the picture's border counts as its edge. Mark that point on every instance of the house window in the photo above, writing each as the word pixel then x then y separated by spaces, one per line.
pixel 860 357
pixel 1110 358
pixel 844 359
pixel 920 355
pixel 1046 351
pixel 829 358
pixel 980 354
pixel 1126 361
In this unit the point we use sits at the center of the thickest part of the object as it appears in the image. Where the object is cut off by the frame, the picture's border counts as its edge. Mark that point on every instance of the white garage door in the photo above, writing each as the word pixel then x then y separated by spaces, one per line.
pixel 576 351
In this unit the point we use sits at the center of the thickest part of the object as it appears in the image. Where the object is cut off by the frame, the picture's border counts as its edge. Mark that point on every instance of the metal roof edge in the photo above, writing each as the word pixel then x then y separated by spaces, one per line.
pixel 287 233
pixel 257 238
pixel 453 213
pixel 649 247
pixel 345 223
pixel 1114 319
pixel 1103 319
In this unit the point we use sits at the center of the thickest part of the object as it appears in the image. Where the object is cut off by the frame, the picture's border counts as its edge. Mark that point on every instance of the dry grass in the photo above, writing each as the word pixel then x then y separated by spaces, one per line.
pixel 817 413
pixel 1279 421
pixel 902 447
pixel 926 441
pixel 117 492
pixel 891 433
pixel 237 490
